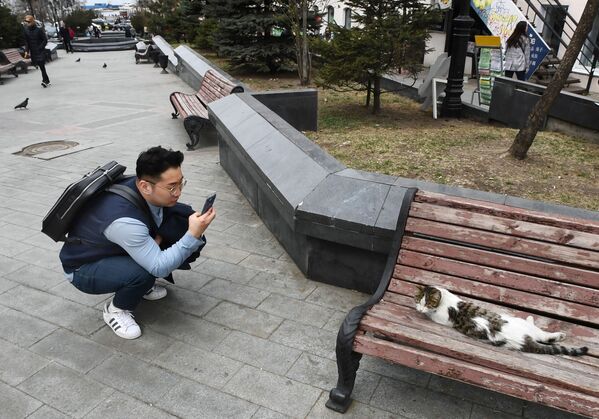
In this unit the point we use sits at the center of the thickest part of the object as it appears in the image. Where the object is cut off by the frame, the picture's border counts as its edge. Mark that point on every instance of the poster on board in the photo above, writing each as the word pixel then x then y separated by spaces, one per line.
pixel 501 17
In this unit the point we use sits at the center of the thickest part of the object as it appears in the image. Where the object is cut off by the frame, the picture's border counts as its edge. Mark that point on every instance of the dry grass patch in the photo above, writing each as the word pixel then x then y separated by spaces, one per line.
pixel 404 141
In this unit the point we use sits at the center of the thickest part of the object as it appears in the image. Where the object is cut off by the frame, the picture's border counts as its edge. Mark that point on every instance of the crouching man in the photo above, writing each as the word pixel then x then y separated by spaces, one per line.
pixel 114 246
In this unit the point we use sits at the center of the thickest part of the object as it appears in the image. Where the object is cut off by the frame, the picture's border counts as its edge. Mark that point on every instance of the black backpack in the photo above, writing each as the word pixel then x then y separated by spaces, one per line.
pixel 58 221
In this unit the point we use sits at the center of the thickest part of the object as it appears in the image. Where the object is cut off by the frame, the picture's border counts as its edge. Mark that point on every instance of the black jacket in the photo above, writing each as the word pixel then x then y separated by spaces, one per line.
pixel 64 34
pixel 36 40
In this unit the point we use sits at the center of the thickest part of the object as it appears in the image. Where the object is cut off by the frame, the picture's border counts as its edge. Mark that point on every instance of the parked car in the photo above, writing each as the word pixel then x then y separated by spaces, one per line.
pixel 125 27
pixel 51 31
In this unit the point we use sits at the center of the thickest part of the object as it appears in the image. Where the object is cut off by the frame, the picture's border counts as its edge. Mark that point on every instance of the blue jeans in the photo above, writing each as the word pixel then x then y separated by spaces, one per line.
pixel 118 274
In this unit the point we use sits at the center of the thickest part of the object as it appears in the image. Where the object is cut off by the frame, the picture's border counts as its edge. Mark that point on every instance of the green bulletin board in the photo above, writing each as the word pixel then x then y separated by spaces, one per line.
pixel 490 64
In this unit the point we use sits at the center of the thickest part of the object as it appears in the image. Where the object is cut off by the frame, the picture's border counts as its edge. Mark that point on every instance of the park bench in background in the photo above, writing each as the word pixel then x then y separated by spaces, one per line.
pixel 7 68
pixel 504 258
pixel 13 56
pixel 192 107
pixel 143 51
pixel 51 51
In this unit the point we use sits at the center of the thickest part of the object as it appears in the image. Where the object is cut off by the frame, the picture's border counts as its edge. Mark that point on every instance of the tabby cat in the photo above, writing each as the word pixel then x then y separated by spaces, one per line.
pixel 445 308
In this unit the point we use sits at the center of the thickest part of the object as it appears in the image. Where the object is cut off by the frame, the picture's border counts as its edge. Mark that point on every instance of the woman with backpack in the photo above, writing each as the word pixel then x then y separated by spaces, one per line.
pixel 517 55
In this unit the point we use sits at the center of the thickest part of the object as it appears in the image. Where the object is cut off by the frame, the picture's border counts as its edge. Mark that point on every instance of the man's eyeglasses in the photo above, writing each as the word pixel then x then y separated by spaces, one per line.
pixel 172 189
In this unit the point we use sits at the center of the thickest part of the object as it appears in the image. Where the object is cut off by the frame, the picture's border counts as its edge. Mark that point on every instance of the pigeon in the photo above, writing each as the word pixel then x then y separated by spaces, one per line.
pixel 77 60
pixel 22 105
pixel 104 66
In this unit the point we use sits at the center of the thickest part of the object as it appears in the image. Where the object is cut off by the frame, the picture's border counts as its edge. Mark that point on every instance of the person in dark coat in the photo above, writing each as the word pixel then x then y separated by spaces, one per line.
pixel 35 47
pixel 66 37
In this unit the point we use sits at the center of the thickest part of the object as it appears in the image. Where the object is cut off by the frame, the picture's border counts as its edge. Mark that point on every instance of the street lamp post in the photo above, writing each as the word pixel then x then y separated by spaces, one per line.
pixel 452 103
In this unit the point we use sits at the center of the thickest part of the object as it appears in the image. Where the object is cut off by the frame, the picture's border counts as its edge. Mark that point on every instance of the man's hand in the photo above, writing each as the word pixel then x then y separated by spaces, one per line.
pixel 199 223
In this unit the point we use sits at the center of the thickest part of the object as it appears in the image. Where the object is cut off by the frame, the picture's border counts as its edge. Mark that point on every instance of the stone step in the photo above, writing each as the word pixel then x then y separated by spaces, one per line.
pixel 568 82
pixel 579 90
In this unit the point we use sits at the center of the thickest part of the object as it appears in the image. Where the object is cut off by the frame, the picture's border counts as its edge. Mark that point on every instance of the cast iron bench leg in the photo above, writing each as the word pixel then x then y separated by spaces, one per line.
pixel 193 125
pixel 348 361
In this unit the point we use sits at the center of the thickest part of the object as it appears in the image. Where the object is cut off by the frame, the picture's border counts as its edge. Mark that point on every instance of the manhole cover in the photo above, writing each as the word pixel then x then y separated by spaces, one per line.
pixel 46 147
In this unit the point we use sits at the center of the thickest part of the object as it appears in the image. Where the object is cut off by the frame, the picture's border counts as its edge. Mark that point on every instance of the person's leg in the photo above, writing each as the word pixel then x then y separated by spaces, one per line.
pixel 42 67
pixel 521 75
pixel 509 74
pixel 118 274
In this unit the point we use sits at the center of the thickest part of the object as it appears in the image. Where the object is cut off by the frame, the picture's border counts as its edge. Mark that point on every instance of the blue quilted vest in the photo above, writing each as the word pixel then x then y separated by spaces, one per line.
pixel 90 224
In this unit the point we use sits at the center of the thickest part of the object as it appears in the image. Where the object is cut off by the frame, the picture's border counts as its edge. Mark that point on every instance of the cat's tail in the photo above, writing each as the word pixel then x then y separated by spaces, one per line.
pixel 533 346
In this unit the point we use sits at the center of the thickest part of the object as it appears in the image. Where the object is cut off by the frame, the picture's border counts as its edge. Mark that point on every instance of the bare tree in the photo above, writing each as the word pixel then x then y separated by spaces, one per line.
pixel 298 17
pixel 527 134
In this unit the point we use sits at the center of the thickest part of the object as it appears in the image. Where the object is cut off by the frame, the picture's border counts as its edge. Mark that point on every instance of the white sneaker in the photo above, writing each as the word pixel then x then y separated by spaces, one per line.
pixel 155 293
pixel 121 322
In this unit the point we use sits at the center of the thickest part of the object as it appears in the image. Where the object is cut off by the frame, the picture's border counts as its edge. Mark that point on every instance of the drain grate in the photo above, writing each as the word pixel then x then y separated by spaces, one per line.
pixel 46 147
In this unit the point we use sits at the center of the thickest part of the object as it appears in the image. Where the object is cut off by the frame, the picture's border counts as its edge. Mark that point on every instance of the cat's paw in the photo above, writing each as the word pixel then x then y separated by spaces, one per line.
pixel 560 336
pixel 530 320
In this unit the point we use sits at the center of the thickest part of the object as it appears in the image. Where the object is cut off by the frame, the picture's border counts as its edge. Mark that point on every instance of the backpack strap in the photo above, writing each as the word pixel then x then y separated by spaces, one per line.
pixel 129 195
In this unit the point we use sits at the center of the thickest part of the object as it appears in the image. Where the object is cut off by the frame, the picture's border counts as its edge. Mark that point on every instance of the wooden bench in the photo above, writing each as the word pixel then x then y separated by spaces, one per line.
pixel 13 56
pixel 507 259
pixel 192 107
pixel 7 68
pixel 51 51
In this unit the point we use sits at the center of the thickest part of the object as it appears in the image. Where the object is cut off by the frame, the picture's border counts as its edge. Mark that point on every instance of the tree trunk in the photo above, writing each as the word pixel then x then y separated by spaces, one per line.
pixel 376 100
pixel 305 77
pixel 526 135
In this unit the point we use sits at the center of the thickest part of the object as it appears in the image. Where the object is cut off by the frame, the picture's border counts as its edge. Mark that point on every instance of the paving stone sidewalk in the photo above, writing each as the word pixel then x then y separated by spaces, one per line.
pixel 243 334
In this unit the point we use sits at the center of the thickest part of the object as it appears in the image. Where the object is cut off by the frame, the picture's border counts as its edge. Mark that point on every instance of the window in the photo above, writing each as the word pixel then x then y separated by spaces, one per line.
pixel 586 56
pixel 330 15
pixel 347 17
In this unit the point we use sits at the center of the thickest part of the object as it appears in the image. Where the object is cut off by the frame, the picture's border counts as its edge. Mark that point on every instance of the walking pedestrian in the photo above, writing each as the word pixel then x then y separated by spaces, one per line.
pixel 35 47
pixel 66 37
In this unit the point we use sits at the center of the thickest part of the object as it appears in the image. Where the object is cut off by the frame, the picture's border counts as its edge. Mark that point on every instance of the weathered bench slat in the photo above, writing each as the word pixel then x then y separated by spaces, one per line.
pixel 497 294
pixel 508 212
pixel 419 334
pixel 508 260
pixel 400 316
pixel 192 107
pixel 211 92
pixel 572 329
pixel 189 105
pixel 505 243
pixel 505 225
pixel 576 334
pixel 500 277
pixel 514 263
pixel 535 391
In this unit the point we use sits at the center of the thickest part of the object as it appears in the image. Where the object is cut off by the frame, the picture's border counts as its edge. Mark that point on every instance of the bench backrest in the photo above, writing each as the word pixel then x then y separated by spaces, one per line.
pixel 215 87
pixel 520 259
pixel 12 55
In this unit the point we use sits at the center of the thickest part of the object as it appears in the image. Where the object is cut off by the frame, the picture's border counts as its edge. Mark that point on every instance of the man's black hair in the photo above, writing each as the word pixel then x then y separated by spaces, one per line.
pixel 157 160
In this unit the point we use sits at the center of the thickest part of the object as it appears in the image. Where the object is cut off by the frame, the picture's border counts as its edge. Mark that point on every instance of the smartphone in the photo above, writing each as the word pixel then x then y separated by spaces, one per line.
pixel 209 202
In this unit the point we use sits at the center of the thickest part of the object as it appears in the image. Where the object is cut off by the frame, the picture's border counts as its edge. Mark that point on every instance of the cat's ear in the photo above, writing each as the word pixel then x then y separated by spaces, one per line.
pixel 419 293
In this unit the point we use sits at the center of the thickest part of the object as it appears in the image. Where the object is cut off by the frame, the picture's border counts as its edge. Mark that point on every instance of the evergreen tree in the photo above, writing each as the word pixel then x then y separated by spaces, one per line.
pixel 80 20
pixel 253 34
pixel 11 35
pixel 390 35
pixel 191 12
pixel 164 18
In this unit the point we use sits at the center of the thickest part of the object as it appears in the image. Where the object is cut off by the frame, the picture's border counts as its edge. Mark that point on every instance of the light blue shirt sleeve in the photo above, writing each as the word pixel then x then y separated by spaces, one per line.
pixel 134 237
